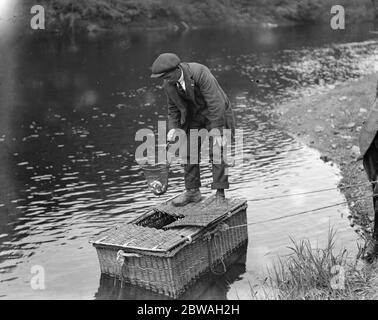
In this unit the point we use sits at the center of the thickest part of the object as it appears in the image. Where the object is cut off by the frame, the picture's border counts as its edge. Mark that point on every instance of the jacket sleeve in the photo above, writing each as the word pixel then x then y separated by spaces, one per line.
pixel 214 97
pixel 174 114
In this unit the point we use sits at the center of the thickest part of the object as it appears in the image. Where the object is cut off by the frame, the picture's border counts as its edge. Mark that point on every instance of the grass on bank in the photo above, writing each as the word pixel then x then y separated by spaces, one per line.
pixel 309 273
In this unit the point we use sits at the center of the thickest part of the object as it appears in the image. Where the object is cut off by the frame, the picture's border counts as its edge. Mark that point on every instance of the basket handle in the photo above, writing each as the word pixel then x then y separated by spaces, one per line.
pixel 121 256
pixel 220 228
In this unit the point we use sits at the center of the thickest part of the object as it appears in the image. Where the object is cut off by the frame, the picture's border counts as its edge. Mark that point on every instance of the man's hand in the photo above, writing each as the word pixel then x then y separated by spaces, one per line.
pixel 171 135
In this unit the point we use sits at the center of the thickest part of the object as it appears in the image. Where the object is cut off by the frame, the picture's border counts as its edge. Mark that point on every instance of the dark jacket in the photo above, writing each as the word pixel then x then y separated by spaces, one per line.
pixel 368 141
pixel 369 129
pixel 204 97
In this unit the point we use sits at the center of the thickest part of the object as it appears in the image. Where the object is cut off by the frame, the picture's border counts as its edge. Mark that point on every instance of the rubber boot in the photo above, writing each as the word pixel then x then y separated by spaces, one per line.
pixel 220 199
pixel 189 196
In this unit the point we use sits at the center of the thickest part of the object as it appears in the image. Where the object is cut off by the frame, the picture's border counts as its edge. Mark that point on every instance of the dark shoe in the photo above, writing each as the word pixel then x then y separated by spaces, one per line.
pixel 190 195
pixel 220 198
pixel 371 251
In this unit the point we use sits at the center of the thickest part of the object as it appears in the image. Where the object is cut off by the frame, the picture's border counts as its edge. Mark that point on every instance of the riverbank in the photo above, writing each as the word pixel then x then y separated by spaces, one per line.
pixel 313 273
pixel 330 121
pixel 184 14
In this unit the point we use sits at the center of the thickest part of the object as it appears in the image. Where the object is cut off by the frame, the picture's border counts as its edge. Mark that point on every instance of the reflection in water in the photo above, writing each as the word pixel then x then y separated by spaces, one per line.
pixel 69 114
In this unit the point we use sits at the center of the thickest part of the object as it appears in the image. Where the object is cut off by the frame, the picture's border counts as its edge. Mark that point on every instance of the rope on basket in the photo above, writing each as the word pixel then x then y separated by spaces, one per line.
pixel 121 257
pixel 221 258
pixel 121 260
pixel 212 236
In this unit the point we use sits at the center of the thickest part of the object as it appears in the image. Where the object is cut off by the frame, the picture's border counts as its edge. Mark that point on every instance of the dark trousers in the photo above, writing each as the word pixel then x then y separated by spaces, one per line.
pixel 375 205
pixel 192 170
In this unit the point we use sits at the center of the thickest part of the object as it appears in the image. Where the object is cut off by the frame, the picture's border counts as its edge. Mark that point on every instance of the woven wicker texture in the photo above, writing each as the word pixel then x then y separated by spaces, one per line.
pixel 170 261
pixel 201 214
pixel 193 218
pixel 131 235
pixel 198 220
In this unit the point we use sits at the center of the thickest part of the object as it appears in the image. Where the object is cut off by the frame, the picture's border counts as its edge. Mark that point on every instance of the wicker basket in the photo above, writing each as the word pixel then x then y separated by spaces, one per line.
pixel 168 248
pixel 208 286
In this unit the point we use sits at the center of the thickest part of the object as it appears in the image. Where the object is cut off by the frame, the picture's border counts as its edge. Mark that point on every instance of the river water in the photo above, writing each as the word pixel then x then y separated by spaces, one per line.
pixel 70 108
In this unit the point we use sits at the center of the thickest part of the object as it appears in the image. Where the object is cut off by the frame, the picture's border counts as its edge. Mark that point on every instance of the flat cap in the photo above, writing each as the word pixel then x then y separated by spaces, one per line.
pixel 164 63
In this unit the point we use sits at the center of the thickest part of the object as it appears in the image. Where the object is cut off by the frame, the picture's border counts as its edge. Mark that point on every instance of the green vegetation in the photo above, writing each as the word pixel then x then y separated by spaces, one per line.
pixel 159 13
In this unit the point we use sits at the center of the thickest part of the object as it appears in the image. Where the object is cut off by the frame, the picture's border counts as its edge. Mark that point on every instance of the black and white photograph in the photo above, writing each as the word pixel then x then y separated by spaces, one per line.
pixel 199 154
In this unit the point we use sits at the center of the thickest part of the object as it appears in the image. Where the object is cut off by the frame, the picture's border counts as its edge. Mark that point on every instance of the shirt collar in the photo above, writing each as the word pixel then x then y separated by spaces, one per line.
pixel 181 79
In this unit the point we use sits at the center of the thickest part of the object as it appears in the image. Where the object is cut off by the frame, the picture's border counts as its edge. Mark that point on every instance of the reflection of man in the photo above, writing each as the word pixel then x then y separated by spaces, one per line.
pixel 369 151
pixel 195 101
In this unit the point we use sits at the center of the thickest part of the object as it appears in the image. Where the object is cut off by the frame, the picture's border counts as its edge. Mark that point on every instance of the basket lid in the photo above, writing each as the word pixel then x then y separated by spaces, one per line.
pixel 202 214
pixel 194 218
pixel 132 236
